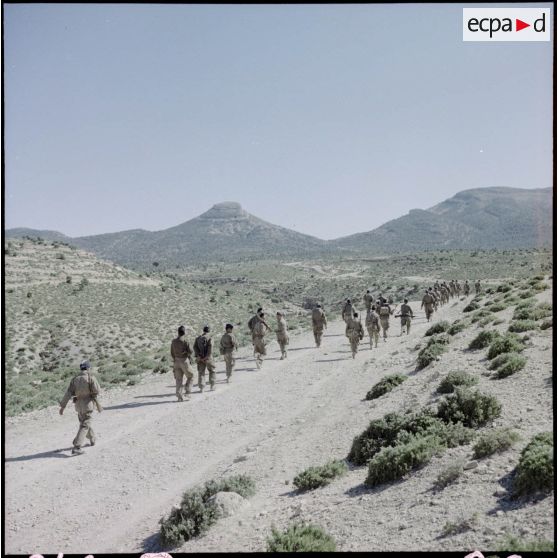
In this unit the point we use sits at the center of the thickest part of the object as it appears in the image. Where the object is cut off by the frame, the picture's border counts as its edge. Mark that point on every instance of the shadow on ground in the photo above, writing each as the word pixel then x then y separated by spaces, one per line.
pixel 43 455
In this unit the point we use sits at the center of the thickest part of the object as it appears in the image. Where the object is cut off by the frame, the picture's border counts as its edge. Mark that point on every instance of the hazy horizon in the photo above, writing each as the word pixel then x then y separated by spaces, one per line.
pixel 326 119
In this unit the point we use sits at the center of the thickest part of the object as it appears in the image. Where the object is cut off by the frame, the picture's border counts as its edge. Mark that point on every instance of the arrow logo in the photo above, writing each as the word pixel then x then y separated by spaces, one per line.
pixel 519 25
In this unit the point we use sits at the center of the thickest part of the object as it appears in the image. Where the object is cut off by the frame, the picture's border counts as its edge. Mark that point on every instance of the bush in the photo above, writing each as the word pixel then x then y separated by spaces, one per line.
pixel 503 288
pixel 509 343
pixel 543 310
pixel 471 306
pixel 392 463
pixel 439 327
pixel 194 517
pixel 451 529
pixel 535 470
pixel 471 408
pixel 454 379
pixel 301 537
pixel 385 385
pixel 515 544
pixel 507 364
pixel 314 477
pixel 498 307
pixel 522 325
pixel 546 324
pixel 483 339
pixel 449 475
pixel 441 338
pixel 480 315
pixel 495 441
pixel 429 354
pixel 457 327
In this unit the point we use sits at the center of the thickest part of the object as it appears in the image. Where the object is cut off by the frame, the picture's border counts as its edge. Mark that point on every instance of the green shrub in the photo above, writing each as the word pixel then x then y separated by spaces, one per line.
pixel 314 477
pixel 439 327
pixel 503 288
pixel 483 339
pixel 392 463
pixel 450 529
pixel 546 324
pixel 507 364
pixel 301 537
pixel 441 338
pixel 539 286
pixel 385 385
pixel 429 354
pixel 514 544
pixel 457 327
pixel 542 310
pixel 522 325
pixel 481 314
pixel 454 379
pixel 471 408
pixel 473 305
pixel 495 441
pixel 535 470
pixel 509 343
pixel 449 474
pixel 526 295
pixel 194 517
pixel 497 307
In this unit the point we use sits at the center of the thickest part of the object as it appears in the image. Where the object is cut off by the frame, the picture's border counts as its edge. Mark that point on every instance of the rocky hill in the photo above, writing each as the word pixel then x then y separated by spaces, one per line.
pixel 503 218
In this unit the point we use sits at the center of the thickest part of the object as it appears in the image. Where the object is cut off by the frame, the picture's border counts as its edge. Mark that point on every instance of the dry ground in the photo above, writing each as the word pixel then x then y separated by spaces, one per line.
pixel 272 424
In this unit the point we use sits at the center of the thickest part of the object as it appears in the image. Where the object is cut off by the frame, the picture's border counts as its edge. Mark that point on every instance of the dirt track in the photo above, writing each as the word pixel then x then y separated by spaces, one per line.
pixel 271 424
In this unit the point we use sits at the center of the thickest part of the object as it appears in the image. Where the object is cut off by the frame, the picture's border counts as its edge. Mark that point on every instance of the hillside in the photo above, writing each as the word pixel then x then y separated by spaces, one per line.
pixel 501 218
pixel 482 218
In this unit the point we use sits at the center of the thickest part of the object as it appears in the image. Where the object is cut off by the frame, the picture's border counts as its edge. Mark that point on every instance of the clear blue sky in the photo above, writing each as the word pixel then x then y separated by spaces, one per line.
pixel 329 119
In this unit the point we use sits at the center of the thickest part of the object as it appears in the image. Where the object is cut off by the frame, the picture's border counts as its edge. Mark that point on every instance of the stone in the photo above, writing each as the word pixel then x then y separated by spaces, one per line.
pixel 471 465
pixel 226 503
pixel 499 513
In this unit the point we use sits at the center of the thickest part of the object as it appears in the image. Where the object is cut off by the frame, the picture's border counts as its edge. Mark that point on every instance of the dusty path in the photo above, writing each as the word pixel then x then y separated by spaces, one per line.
pixel 270 423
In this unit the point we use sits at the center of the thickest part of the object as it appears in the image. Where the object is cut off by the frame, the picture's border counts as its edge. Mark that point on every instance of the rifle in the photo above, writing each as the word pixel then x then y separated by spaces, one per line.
pixel 94 397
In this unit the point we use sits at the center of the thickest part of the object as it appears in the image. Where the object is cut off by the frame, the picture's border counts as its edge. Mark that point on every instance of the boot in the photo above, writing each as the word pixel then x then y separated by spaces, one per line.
pixel 77 451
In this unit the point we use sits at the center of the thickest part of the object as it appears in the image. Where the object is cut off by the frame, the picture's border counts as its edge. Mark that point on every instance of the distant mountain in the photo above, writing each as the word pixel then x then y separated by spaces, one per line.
pixel 479 218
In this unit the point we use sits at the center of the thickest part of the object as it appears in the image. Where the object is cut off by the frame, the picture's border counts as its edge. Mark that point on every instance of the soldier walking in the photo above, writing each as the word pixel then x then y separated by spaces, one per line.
pixel 355 333
pixel 258 333
pixel 181 354
pixel 319 322
pixel 406 314
pixel 203 347
pixel 368 300
pixel 384 313
pixel 282 335
pixel 83 390
pixel 428 304
pixel 347 312
pixel 477 286
pixel 466 288
pixel 373 325
pixel 227 346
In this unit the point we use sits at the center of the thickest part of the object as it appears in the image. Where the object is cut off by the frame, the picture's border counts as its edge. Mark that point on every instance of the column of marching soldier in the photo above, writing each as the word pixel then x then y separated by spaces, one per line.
pixel 84 388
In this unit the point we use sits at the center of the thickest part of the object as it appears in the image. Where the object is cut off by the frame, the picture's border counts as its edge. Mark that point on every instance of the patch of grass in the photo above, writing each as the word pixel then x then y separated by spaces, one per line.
pixel 301 537
pixel 498 307
pixel 483 339
pixel 508 343
pixel 314 477
pixel 450 529
pixel 507 364
pixel 512 543
pixel 535 470
pixel 385 385
pixel 480 315
pixel 429 354
pixel 472 306
pixel 456 327
pixel 547 324
pixel 542 310
pixel 449 474
pixel 439 327
pixel 519 326
pixel 454 379
pixel 495 441
pixel 194 517
pixel 472 408
pixel 392 463
pixel 503 288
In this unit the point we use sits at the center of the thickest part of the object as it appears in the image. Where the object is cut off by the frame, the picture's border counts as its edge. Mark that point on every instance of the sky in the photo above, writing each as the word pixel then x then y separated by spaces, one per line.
pixel 327 119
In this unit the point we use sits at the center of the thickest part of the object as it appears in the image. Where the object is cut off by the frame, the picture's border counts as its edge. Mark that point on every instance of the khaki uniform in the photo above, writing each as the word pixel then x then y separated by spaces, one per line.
pixel 258 340
pixel 203 347
pixel 373 326
pixel 445 294
pixel 458 287
pixel 477 287
pixel 368 300
pixel 452 288
pixel 355 333
pixel 84 389
pixel 384 318
pixel 319 321
pixel 428 304
pixel 466 288
pixel 181 354
pixel 406 315
pixel 436 298
pixel 282 336
pixel 227 346
pixel 347 313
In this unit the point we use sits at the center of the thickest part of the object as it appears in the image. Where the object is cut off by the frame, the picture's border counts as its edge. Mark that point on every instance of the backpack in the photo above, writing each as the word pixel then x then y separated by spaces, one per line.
pixel 384 311
pixel 202 343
